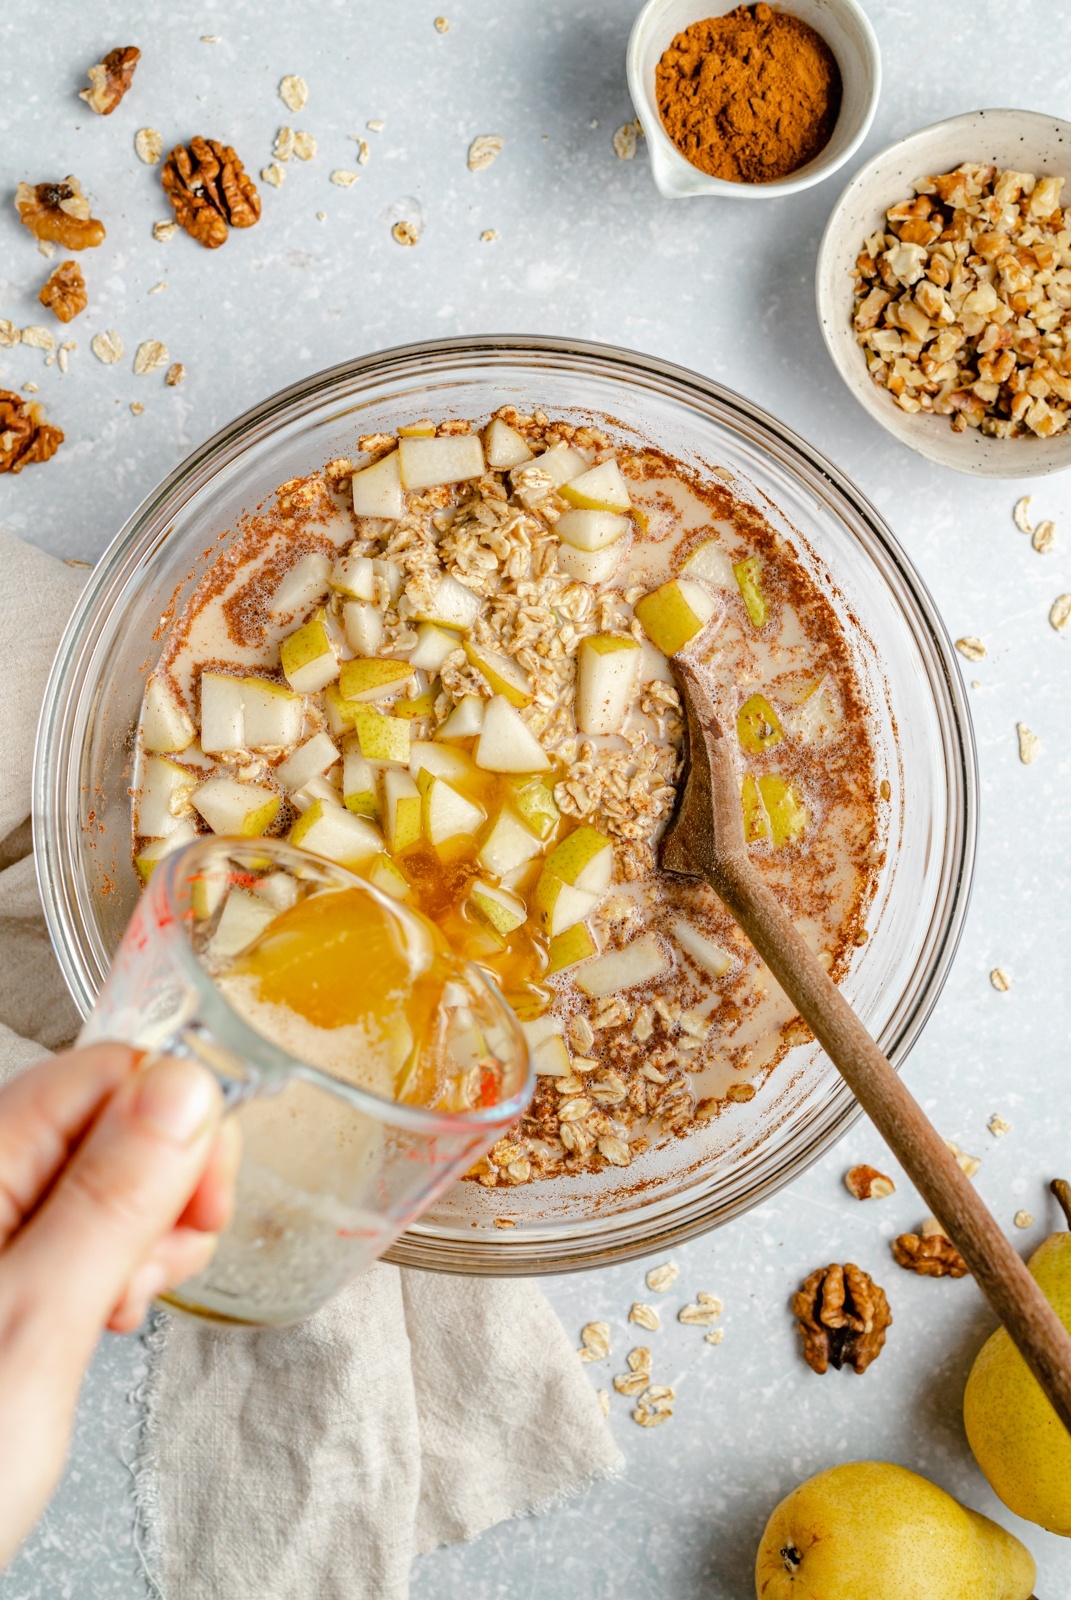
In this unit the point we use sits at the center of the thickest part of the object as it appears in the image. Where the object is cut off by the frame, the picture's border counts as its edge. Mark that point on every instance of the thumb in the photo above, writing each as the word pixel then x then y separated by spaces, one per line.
pixel 124 1188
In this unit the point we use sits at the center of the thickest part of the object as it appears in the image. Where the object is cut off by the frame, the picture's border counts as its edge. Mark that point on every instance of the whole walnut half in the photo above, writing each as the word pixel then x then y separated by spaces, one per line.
pixel 65 291
pixel 210 191
pixel 25 436
pixel 843 1315
pixel 110 79
pixel 60 212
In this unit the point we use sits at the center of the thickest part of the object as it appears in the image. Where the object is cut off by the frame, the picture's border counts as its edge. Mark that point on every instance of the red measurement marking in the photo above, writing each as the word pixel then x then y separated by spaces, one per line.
pixel 358 1233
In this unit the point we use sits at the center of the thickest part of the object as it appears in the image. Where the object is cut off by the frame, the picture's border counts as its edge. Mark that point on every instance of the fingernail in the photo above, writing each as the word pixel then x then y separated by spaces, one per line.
pixel 178 1100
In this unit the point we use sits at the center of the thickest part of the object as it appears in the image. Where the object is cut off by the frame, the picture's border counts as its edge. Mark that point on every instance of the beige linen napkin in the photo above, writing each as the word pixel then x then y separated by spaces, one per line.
pixel 309 1463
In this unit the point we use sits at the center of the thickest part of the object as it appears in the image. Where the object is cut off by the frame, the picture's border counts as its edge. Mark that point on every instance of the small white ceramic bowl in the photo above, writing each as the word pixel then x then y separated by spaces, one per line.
pixel 843 25
pixel 1023 140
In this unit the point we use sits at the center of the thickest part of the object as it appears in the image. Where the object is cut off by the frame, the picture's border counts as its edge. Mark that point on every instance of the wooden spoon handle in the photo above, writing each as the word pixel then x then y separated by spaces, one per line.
pixel 721 857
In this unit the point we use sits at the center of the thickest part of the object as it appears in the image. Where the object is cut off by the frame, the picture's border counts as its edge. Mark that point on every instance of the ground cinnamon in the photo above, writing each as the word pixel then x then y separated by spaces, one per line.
pixel 750 96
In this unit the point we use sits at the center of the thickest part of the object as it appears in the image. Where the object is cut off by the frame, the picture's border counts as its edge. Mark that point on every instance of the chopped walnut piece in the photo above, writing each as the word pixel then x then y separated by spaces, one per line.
pixel 842 1316
pixel 1023 1219
pixel 110 79
pixel 867 1183
pixel 25 436
pixel 967 1164
pixel 442 24
pixel 59 212
pixel 972 648
pixel 149 145
pixel 931 1256
pixel 65 291
pixel 162 232
pixel 176 372
pixel 998 1125
pixel 210 191
pixel 404 233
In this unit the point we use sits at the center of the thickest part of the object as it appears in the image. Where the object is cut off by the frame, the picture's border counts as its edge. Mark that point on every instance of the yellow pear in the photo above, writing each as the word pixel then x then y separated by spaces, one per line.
pixel 869 1530
pixel 1018 1440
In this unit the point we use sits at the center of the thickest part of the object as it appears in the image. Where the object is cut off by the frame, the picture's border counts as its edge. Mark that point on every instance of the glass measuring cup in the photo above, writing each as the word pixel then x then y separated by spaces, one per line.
pixel 367 1066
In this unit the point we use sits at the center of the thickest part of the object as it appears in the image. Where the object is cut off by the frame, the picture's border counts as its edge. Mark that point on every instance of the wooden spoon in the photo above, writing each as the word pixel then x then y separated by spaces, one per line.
pixel 705 839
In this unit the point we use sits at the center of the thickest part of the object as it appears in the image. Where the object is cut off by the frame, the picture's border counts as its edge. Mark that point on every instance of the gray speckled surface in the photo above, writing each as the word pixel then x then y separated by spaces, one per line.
pixel 587 248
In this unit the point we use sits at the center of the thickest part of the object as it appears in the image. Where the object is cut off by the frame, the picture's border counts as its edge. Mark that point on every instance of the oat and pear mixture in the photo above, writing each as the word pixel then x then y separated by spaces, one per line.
pixel 445 664
pixel 963 302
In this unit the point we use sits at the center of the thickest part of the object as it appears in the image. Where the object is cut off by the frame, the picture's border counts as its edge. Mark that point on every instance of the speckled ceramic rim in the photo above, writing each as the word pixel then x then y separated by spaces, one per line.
pixel 59 758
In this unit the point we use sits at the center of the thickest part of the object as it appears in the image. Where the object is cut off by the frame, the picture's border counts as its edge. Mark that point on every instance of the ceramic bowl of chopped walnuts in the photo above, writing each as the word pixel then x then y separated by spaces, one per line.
pixel 944 292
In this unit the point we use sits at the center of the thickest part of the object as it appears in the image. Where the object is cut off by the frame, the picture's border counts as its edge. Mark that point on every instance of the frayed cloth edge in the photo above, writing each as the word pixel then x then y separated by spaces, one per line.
pixel 148 1536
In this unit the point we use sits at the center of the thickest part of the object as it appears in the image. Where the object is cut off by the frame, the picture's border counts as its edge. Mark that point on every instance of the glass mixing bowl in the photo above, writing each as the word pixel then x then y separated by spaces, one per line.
pixel 921 730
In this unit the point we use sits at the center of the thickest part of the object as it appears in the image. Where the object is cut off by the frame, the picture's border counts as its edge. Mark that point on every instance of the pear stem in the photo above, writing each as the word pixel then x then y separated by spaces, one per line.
pixel 1062 1190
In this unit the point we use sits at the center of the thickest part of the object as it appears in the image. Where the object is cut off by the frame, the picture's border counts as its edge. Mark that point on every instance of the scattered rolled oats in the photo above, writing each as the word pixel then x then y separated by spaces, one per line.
pixel 1021 515
pixel 364 150
pixel 639 1359
pixel 489 235
pixel 305 146
pixel 442 24
pixel 149 145
pixel 110 79
pixel 715 1336
pixel 972 648
pixel 63 353
pixel 38 338
pixel 274 174
pixel 376 125
pixel 662 1278
pixel 163 231
pixel 136 408
pixel 150 356
pixel 175 375
pixel 1030 746
pixel 702 1313
pixel 483 150
pixel 659 1397
pixel 405 233
pixel 651 1419
pixel 595 1341
pixel 631 1383
pixel 1044 538
pixel 603 1397
pixel 344 179
pixel 107 347
pixel 1060 613
pixel 1023 1219
pixel 283 147
pixel 294 92
pixel 645 1316
pixel 1000 979
pixel 967 1164
pixel 867 1183
pixel 211 38
pixel 9 334
pixel 625 140
pixel 615 1150
pixel 998 1125
pixel 158 288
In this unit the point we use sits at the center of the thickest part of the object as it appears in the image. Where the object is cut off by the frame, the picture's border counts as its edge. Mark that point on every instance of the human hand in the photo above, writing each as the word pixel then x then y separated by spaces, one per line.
pixel 114 1183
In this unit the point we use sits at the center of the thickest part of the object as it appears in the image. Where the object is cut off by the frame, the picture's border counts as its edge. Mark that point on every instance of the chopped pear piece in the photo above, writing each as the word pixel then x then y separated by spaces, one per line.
pixel 504 675
pixel 445 814
pixel 576 944
pixel 589 566
pixel 757 726
pixel 363 625
pixel 560 904
pixel 535 802
pixel 222 716
pixel 710 956
pixel 789 816
pixel 359 783
pixel 559 463
pixel 501 910
pixel 272 714
pixel 243 810
pixel 391 574
pixel 318 788
pixel 591 530
pixel 537 1030
pixel 165 727
pixel 641 961
pixel 450 458
pixel 509 845
pixel 377 490
pixel 601 488
pixel 551 1058
pixel 242 921
pixel 748 578
pixel 339 712
pixel 418 430
pixel 709 562
pixel 353 577
pixel 279 889
pixel 381 738
pixel 335 834
pixel 505 446
pixel 374 678
pixel 308 761
pixel 456 766
pixel 303 587
pixel 433 646
pixel 817 716
pixel 674 614
pixel 421 705
pixel 585 859
pixel 163 797
pixel 451 604
pixel 754 815
pixel 401 808
pixel 505 743
pixel 607 674
pixel 388 878
pixel 155 851
pixel 308 657
pixel 465 720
